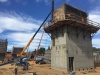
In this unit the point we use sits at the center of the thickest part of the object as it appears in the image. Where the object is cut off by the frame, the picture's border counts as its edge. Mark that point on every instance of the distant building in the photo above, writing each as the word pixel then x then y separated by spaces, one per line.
pixel 47 54
pixel 16 50
pixel 3 48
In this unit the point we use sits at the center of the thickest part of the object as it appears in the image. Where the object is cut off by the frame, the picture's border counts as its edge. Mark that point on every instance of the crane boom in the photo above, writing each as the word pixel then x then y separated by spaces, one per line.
pixel 39 44
pixel 22 53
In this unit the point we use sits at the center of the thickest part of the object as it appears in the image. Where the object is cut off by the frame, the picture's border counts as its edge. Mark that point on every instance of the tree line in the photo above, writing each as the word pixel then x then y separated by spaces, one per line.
pixel 95 49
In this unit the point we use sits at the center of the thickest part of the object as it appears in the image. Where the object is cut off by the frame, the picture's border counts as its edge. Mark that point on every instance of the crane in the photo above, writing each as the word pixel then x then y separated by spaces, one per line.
pixel 28 44
pixel 38 47
pixel 23 59
pixel 40 59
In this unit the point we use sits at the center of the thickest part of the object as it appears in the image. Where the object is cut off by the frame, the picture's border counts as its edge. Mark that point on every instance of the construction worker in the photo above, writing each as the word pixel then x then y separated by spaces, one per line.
pixel 16 69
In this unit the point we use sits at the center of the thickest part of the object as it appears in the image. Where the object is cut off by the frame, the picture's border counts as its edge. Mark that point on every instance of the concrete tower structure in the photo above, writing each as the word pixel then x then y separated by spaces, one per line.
pixel 71 34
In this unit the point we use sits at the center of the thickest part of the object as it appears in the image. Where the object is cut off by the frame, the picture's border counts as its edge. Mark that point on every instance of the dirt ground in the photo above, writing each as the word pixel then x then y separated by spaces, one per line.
pixel 44 69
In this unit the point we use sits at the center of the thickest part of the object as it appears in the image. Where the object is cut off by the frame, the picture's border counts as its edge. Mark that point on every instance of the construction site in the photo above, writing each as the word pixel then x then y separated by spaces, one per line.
pixel 71 53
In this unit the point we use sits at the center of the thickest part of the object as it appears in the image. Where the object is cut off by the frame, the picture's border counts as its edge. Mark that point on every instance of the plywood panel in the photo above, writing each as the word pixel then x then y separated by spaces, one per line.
pixel 59 14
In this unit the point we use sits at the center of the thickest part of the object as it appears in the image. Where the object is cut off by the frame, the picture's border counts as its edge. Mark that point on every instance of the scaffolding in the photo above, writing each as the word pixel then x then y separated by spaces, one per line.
pixel 75 21
pixel 70 16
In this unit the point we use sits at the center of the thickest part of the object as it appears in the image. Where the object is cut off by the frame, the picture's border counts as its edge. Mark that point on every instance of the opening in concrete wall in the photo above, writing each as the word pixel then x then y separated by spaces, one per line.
pixel 53 41
pixel 71 59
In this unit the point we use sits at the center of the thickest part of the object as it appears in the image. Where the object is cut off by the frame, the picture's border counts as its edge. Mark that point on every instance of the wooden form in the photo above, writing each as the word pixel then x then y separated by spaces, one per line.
pixel 65 11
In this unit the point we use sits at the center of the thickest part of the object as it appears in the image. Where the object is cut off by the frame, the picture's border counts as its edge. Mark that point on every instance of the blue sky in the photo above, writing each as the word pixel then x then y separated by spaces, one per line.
pixel 19 19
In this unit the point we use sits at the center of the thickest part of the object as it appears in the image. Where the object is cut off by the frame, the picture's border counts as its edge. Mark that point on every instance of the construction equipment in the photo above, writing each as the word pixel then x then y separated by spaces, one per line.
pixel 42 60
pixel 11 61
pixel 22 53
pixel 19 61
pixel 23 60
pixel 38 47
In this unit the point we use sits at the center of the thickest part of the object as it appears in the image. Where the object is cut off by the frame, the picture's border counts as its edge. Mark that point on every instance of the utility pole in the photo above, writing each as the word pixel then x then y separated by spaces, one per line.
pixel 52 8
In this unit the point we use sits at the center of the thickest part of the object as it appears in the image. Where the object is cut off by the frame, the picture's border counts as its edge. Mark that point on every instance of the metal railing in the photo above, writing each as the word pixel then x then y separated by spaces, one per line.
pixel 81 19
pixel 72 16
pixel 90 22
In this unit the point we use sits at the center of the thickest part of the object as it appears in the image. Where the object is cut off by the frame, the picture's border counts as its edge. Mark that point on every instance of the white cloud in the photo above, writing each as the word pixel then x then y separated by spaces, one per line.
pixel 94 1
pixel 46 1
pixel 96 42
pixel 23 2
pixel 21 39
pixel 17 23
pixel 95 16
pixel 3 0
pixel 20 29
pixel 25 37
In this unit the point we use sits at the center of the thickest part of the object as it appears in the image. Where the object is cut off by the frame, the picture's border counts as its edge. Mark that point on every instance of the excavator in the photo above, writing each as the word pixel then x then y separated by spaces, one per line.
pixel 22 59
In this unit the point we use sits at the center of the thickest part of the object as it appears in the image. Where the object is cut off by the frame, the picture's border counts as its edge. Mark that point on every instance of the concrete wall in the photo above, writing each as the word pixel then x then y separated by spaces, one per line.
pixel 58 52
pixel 68 45
pixel 47 54
pixel 80 49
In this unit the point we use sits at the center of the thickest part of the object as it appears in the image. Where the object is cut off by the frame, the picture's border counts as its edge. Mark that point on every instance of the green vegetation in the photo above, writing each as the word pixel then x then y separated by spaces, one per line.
pixel 95 49
pixel 48 48
pixel 41 51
